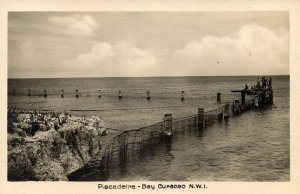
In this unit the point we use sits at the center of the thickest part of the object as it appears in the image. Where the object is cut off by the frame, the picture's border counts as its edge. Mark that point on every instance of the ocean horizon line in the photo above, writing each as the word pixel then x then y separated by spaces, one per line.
pixel 145 76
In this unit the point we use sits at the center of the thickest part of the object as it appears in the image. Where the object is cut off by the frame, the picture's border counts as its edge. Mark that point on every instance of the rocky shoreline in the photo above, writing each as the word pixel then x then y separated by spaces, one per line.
pixel 48 146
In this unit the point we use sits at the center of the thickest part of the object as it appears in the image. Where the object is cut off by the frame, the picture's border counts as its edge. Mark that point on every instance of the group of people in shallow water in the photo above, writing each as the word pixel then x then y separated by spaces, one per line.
pixel 262 84
pixel 262 92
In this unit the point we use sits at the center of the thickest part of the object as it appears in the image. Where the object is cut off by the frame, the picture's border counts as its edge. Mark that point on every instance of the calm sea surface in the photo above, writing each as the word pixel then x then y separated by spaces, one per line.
pixel 251 147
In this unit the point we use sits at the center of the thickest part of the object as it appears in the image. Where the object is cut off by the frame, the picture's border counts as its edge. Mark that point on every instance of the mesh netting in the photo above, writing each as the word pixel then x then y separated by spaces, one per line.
pixel 118 149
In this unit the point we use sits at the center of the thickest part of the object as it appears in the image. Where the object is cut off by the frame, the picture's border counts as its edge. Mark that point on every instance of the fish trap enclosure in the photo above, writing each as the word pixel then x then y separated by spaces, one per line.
pixel 131 144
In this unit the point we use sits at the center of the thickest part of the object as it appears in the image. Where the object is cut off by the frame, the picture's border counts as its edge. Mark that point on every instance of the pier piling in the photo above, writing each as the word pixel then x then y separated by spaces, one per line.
pixel 236 107
pixel 62 93
pixel 148 95
pixel 45 93
pixel 200 118
pixel 220 116
pixel 168 120
pixel 120 94
pixel 226 113
pixel 29 92
pixel 77 93
pixel 243 94
pixel 182 95
pixel 219 97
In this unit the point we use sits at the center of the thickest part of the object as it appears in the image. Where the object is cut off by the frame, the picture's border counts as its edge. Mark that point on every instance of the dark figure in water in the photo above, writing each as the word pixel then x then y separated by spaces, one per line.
pixel 262 99
pixel 264 84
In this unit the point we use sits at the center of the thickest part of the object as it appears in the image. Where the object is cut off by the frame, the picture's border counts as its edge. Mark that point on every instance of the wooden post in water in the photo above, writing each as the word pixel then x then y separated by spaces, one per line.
pixel 168 120
pixel 62 94
pixel 148 95
pixel 45 93
pixel 236 108
pixel 220 116
pixel 182 95
pixel 219 97
pixel 99 93
pixel 200 118
pixel 120 94
pixel 226 112
pixel 243 93
pixel 77 93
pixel 29 92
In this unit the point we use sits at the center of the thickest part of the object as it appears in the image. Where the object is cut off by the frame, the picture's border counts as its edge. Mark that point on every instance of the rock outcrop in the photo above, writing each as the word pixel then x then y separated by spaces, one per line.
pixel 49 146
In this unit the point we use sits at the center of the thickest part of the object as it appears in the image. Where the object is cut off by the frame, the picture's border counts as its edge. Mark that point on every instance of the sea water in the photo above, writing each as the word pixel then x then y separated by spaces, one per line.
pixel 251 147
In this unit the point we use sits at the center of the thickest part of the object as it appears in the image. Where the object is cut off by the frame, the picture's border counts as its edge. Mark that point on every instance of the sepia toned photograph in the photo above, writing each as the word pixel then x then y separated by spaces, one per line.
pixel 148 96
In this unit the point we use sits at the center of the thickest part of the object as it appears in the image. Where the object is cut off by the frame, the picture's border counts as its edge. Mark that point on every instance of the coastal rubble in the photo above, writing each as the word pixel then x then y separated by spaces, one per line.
pixel 48 146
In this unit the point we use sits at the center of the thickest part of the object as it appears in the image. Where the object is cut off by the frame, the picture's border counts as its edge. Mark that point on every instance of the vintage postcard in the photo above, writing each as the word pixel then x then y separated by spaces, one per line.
pixel 150 97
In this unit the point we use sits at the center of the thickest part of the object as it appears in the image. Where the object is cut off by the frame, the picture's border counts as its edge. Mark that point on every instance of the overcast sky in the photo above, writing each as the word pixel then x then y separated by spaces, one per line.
pixel 113 44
